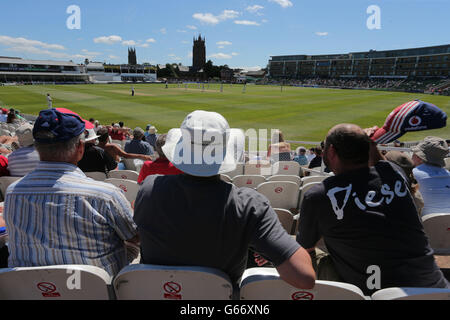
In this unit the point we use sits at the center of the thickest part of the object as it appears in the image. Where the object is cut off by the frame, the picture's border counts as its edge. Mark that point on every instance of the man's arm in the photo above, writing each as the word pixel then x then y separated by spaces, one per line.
pixel 298 270
pixel 126 155
pixel 375 154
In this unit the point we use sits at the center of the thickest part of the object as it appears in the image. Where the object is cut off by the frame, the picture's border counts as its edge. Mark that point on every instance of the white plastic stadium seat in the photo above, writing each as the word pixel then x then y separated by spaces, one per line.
pixel 156 282
pixel 238 171
pixel 447 163
pixel 96 175
pixel 133 164
pixel 5 181
pixel 124 174
pixel 59 282
pixel 281 194
pixel 262 168
pixel 398 293
pixel 437 228
pixel 286 168
pixel 129 187
pixel 310 179
pixel 266 284
pixel 287 219
pixel 249 181
pixel 282 177
pixel 226 178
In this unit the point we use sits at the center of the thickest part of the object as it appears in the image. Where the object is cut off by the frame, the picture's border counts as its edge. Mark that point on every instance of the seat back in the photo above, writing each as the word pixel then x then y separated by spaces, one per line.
pixel 156 282
pixel 226 178
pixel 5 181
pixel 249 181
pixel 124 174
pixel 286 168
pixel 437 228
pixel 398 293
pixel 447 163
pixel 310 179
pixel 266 284
pixel 292 178
pixel 238 171
pixel 286 219
pixel 261 168
pixel 60 282
pixel 96 175
pixel 281 194
pixel 133 164
pixel 129 187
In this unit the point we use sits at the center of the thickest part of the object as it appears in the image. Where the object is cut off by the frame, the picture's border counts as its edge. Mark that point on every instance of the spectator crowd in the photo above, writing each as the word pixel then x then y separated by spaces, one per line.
pixel 367 212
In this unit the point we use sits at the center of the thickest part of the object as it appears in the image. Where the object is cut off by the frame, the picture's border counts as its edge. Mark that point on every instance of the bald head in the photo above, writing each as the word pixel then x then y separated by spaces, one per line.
pixel 350 143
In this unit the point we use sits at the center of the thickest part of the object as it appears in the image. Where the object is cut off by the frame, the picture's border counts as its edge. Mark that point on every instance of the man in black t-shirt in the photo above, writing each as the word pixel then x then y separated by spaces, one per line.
pixel 367 218
pixel 197 219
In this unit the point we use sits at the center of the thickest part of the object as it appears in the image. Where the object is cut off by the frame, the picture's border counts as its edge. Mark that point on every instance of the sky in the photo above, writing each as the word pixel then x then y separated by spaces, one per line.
pixel 241 34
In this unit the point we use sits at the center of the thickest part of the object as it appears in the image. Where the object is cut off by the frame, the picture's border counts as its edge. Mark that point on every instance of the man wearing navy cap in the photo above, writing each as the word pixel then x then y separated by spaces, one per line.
pixel 56 215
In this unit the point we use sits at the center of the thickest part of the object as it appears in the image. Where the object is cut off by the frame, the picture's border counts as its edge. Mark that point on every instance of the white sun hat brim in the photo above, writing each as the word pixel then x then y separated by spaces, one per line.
pixel 195 163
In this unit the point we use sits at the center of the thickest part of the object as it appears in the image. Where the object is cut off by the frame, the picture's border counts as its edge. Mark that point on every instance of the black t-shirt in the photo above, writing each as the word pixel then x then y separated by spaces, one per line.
pixel 183 220
pixel 96 159
pixel 367 217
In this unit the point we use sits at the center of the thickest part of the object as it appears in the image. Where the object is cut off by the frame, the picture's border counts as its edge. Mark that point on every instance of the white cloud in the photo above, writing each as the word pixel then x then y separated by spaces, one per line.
pixel 129 43
pixel 234 54
pixel 254 9
pixel 23 42
pixel 174 57
pixel 321 34
pixel 256 68
pixel 220 56
pixel 283 3
pixel 113 57
pixel 163 30
pixel 56 55
pixel 145 45
pixel 151 40
pixel 91 53
pixel 191 27
pixel 108 39
pixel 181 31
pixel 228 14
pixel 209 18
pixel 224 43
pixel 247 23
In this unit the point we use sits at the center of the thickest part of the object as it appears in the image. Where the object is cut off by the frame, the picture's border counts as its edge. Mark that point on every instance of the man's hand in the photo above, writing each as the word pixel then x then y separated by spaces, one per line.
pixel 371 131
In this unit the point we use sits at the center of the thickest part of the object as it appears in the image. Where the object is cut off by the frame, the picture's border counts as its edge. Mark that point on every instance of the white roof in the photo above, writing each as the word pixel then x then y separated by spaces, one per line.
pixel 38 62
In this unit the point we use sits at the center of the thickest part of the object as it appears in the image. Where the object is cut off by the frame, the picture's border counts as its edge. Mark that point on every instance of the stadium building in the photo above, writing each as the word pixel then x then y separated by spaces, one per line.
pixel 131 72
pixel 426 62
pixel 40 71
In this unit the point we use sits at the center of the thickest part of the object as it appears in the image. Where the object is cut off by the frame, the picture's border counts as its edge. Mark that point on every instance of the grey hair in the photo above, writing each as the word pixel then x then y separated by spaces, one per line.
pixel 57 151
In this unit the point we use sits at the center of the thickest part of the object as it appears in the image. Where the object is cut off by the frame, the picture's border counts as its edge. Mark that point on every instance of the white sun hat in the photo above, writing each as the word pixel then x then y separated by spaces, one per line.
pixel 204 145
pixel 90 135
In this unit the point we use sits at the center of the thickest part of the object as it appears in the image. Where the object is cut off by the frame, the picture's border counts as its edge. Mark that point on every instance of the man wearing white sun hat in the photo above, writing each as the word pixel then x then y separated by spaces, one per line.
pixel 197 219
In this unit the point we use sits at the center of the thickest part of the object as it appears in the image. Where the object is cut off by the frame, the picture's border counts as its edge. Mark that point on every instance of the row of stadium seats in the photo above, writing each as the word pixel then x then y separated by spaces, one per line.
pixel 155 282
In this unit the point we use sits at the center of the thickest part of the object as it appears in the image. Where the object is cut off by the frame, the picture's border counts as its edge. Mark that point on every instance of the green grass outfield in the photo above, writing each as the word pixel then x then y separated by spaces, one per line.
pixel 304 114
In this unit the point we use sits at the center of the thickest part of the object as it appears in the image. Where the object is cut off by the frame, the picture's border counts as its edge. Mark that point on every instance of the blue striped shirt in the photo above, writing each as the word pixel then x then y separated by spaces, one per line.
pixel 22 161
pixel 56 215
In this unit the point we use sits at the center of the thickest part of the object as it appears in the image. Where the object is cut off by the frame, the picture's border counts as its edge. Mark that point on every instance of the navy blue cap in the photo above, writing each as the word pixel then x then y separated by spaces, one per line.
pixel 64 126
